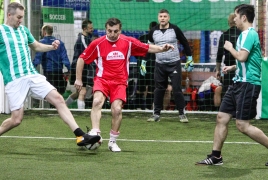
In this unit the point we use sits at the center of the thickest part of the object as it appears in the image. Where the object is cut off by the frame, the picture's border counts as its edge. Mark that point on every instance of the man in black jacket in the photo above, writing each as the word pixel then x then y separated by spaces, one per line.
pixel 83 40
pixel 230 35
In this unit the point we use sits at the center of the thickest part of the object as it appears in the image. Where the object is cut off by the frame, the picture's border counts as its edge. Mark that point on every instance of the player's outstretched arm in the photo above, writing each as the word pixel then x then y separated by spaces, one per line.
pixel 156 49
pixel 39 47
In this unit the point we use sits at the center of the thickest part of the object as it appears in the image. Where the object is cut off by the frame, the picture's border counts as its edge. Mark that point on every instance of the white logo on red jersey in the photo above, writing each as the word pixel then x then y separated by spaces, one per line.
pixel 114 45
pixel 115 55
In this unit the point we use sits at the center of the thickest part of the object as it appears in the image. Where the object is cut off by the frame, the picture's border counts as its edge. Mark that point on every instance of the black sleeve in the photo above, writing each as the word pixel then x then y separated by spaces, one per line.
pixel 77 51
pixel 220 52
pixel 180 36
pixel 150 35
pixel 143 39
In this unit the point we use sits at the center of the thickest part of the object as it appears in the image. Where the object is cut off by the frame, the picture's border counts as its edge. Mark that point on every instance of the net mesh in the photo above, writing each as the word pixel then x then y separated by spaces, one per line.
pixel 202 23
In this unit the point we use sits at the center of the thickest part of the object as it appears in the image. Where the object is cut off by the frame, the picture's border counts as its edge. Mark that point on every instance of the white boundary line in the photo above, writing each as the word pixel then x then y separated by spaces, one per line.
pixel 129 140
pixel 126 110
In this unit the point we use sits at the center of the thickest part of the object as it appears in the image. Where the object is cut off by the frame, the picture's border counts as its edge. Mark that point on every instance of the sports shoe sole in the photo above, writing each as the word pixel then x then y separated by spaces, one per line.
pixel 218 164
pixel 110 148
pixel 91 140
pixel 210 161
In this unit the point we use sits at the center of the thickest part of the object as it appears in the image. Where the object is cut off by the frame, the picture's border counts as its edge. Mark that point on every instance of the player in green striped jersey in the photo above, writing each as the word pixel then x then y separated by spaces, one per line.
pixel 240 100
pixel 21 79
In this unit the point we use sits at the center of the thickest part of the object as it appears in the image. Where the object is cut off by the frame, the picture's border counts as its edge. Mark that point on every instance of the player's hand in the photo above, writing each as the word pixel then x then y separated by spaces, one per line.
pixel 143 68
pixel 189 65
pixel 227 69
pixel 167 47
pixel 228 45
pixel 218 75
pixel 78 85
pixel 56 44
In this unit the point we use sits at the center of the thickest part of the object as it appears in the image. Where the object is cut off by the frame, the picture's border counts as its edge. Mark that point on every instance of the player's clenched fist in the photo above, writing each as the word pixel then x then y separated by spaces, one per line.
pixel 78 85
pixel 56 44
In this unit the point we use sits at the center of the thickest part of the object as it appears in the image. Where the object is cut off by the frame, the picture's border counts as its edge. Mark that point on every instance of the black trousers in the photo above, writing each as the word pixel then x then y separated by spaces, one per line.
pixel 161 74
pixel 57 80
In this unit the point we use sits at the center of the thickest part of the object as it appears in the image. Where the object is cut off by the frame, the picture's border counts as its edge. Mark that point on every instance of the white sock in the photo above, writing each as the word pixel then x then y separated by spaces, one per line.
pixel 95 131
pixel 80 104
pixel 69 101
pixel 113 136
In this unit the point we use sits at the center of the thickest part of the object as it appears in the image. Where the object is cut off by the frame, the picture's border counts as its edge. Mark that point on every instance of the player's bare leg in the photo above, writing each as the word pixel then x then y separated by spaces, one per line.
pixel 13 121
pixel 98 101
pixel 251 131
pixel 116 114
pixel 220 134
pixel 81 98
pixel 57 100
pixel 221 130
pixel 82 138
pixel 217 96
pixel 116 123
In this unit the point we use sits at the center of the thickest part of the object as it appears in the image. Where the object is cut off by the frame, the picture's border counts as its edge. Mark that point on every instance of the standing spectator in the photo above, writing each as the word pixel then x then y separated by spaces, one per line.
pixel 111 53
pixel 214 37
pixel 168 64
pixel 21 78
pixel 53 61
pixel 145 85
pixel 230 35
pixel 83 40
pixel 241 98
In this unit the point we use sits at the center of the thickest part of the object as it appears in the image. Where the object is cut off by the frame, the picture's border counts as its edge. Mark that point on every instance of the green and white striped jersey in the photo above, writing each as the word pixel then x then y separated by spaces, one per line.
pixel 15 58
pixel 250 70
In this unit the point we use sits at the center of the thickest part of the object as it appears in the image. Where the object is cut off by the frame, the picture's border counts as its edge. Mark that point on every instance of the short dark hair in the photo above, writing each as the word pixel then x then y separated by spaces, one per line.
pixel 247 10
pixel 12 7
pixel 48 29
pixel 85 23
pixel 112 22
pixel 163 11
pixel 152 24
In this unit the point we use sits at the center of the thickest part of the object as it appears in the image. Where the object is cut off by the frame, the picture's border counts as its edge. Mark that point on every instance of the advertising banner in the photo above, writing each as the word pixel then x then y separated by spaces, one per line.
pixel 187 14
pixel 78 5
pixel 62 21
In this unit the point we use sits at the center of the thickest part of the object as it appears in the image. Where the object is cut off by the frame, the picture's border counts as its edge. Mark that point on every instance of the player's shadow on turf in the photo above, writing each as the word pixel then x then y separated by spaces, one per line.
pixel 225 172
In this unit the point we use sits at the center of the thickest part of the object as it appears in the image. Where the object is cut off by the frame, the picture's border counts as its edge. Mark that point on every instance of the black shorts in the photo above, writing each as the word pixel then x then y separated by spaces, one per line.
pixel 240 100
pixel 87 77
pixel 147 80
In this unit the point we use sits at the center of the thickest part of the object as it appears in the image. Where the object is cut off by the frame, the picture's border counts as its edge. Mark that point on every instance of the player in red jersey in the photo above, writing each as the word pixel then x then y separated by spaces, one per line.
pixel 111 53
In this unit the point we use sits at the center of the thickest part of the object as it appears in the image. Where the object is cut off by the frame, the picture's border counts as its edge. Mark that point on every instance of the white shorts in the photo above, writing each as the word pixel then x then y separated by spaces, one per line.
pixel 35 86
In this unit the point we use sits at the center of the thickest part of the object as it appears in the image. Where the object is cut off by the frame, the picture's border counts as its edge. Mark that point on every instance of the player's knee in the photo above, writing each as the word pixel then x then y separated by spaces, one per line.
pixel 223 118
pixel 57 100
pixel 16 118
pixel 17 121
pixel 242 126
pixel 97 102
pixel 116 110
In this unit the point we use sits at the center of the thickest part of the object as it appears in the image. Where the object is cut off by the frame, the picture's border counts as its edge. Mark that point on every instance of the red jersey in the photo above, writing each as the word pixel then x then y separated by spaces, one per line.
pixel 112 58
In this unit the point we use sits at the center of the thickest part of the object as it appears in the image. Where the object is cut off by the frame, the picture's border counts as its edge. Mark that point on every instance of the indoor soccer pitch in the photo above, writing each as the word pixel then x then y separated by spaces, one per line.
pixel 43 147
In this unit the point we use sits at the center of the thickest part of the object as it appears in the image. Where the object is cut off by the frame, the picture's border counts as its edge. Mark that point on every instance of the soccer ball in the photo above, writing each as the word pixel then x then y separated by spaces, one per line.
pixel 94 146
